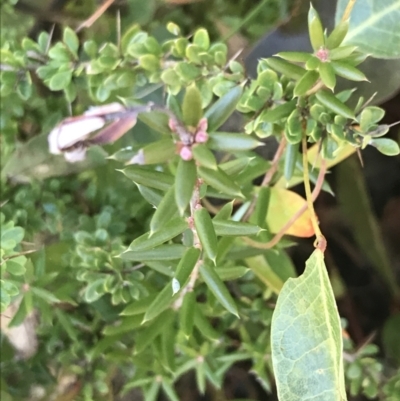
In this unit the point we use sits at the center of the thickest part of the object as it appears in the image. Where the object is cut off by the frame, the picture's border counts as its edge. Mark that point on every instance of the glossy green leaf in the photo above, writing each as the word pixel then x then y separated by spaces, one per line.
pixel 165 210
pixel 219 180
pixel 218 288
pixel 156 152
pixel 290 70
pixel 156 120
pixel 205 231
pixel 305 83
pixel 234 228
pixel 231 272
pixel 138 307
pixel 219 112
pixel 373 27
pixel 232 142
pixel 225 212
pixel 330 101
pixel 184 183
pixel 148 177
pixel 153 196
pixel 203 156
pixel 342 52
pixel 306 338
pixel 315 29
pixel 191 106
pixel 149 62
pixel 163 252
pixel 235 166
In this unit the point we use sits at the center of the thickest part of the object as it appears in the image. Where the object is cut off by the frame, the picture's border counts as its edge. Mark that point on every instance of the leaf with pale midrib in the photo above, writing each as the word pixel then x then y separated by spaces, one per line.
pixel 374 26
pixel 306 338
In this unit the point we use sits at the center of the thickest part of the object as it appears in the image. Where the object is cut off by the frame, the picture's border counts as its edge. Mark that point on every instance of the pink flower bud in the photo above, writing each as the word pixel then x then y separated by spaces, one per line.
pixel 201 137
pixel 323 54
pixel 202 125
pixel 186 153
pixel 172 124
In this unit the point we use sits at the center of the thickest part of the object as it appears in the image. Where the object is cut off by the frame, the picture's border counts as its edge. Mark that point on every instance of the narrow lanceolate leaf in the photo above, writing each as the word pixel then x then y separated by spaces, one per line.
pixel 191 106
pixel 219 112
pixel 163 252
pixel 160 303
pixel 149 178
pixel 218 288
pixel 170 230
pixel 186 265
pixel 305 83
pixel 306 338
pixel 347 71
pixel 279 112
pixel 186 313
pixel 330 101
pixel 232 142
pixel 337 35
pixel 235 228
pixel 219 180
pixel 205 231
pixel 297 57
pixel 184 183
pixel 225 212
pixel 291 156
pixel 166 209
pixel 155 153
pixel 290 70
pixel 327 75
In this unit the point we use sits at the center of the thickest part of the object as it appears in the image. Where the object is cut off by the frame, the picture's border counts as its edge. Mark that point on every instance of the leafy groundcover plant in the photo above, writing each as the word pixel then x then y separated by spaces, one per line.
pixel 205 282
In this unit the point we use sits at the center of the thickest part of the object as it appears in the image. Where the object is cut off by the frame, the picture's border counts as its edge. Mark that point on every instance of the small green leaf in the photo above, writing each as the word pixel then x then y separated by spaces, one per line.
pixel 330 101
pixel 225 212
pixel 204 326
pixel 138 307
pixel 231 272
pixel 162 301
pixel 315 29
pixel 201 39
pixel 327 74
pixel 279 112
pixel 94 290
pixel 219 112
pixel 299 350
pixel 163 252
pixel 284 67
pixel 60 80
pixel 191 106
pixel 305 83
pixel 386 146
pixel 219 180
pixel 185 181
pixel 347 71
pixel 47 296
pixel 205 231
pixel 203 156
pixel 148 177
pixel 149 62
pixel 218 288
pixel 70 38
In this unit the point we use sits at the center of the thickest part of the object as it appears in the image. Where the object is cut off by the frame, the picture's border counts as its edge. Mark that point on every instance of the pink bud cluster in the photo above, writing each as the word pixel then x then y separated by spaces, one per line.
pixel 323 54
pixel 199 136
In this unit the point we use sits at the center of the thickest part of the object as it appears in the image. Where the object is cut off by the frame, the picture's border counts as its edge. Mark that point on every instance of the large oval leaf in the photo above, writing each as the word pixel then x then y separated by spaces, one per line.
pixel 306 338
pixel 374 26
pixel 283 205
